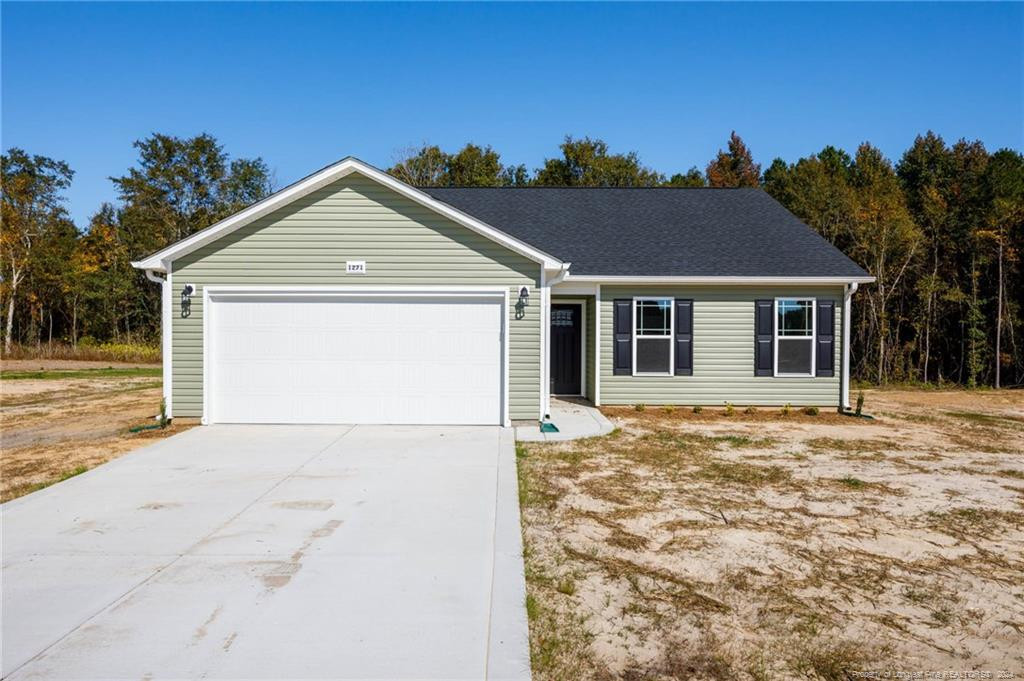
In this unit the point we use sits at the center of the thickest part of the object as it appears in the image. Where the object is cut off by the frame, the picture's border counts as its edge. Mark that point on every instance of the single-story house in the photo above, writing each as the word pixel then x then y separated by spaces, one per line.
pixel 352 297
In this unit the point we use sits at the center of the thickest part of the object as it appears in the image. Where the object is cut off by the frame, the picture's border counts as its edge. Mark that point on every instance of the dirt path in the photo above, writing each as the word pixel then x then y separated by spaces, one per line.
pixel 52 428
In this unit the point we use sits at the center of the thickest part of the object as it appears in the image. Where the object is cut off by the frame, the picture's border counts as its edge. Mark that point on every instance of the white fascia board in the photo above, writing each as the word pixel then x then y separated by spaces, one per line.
pixel 159 260
pixel 611 280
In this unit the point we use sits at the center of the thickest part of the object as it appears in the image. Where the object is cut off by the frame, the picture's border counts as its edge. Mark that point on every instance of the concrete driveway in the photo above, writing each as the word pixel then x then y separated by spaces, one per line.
pixel 278 552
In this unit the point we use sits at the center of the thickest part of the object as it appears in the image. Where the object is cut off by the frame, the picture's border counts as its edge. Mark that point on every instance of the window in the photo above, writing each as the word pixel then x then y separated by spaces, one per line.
pixel 652 336
pixel 794 337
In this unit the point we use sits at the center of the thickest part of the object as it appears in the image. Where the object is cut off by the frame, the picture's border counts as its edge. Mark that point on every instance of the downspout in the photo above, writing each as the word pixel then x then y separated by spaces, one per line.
pixel 165 333
pixel 851 288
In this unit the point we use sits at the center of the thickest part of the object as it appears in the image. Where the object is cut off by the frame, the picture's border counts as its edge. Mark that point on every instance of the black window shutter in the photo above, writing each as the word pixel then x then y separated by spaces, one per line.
pixel 684 337
pixel 622 344
pixel 825 343
pixel 763 329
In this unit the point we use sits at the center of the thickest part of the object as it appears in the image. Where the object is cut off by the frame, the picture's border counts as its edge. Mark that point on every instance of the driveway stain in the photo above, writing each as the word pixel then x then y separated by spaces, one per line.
pixel 202 629
pixel 281 572
pixel 158 505
pixel 229 640
pixel 306 505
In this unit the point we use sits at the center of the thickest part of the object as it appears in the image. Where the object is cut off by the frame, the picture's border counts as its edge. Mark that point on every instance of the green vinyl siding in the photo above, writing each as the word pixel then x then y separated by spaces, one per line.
pixel 723 351
pixel 403 243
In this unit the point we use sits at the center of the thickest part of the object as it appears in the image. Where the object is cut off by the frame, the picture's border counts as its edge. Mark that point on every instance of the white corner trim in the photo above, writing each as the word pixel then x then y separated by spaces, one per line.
pixel 166 346
pixel 158 261
pixel 545 330
pixel 715 280
pixel 229 291
pixel 847 304
pixel 597 346
pixel 167 318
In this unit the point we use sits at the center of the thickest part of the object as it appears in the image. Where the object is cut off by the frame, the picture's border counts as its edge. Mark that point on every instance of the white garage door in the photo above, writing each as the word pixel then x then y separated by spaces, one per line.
pixel 356 360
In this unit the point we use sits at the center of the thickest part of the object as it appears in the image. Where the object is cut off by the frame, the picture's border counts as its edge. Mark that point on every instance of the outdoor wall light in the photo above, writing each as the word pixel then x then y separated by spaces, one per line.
pixel 524 300
pixel 186 299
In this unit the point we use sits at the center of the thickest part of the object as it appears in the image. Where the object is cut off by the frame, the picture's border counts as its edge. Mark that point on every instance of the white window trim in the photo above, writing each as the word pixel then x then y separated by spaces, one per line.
pixel 671 335
pixel 812 337
pixel 583 343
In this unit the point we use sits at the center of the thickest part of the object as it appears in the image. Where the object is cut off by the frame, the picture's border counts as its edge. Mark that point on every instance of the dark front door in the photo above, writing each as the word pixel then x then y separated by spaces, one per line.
pixel 566 337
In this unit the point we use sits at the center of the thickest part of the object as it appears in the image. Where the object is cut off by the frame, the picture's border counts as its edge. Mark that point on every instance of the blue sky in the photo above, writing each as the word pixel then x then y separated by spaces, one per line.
pixel 304 84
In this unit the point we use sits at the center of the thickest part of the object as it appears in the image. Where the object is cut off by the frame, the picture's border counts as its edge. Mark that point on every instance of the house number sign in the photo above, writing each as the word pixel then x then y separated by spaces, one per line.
pixel 355 267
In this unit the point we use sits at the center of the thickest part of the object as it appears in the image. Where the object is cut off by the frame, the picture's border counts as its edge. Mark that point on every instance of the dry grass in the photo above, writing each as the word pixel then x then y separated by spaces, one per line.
pixel 761 546
pixel 59 423
pixel 87 352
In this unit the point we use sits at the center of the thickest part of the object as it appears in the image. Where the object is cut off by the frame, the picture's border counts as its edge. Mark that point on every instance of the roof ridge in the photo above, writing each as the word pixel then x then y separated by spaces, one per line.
pixel 466 186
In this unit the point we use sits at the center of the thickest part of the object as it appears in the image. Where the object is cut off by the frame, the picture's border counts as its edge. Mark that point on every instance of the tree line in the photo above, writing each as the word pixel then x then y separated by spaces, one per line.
pixel 941 229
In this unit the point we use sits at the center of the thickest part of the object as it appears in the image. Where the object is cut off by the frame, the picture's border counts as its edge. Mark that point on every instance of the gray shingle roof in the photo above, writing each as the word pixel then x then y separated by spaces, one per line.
pixel 656 231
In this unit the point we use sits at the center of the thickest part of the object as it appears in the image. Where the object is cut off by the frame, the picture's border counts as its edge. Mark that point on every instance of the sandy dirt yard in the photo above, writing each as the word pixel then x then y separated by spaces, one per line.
pixel 73 418
pixel 763 546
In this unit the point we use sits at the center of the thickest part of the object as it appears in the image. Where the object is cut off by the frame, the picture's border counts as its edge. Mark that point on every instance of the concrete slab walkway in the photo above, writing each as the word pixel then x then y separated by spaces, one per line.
pixel 274 552
pixel 575 419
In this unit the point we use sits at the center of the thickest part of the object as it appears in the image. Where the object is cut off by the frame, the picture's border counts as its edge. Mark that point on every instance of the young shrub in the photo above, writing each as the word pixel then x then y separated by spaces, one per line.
pixel 640 407
pixel 163 414
pixel 729 409
pixel 697 409
pixel 668 408
pixel 811 411
pixel 860 402
pixel 786 409
pixel 751 409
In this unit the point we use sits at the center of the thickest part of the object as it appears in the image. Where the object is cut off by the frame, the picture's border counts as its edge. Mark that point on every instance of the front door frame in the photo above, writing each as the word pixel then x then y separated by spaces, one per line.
pixel 583 341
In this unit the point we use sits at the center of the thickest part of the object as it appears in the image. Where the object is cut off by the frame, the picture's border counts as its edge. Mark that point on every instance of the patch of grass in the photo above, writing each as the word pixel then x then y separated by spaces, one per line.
pixel 566 586
pixel 109 372
pixel 88 350
pixel 854 445
pixel 1011 473
pixel 22 490
pixel 543 493
pixel 650 583
pixel 742 473
pixel 852 482
pixel 983 419
pixel 974 522
pixel 744 441
pixel 827 658
pixel 559 639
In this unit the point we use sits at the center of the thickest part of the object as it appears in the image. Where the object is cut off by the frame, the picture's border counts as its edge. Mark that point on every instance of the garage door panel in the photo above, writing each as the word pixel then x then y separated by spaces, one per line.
pixel 338 360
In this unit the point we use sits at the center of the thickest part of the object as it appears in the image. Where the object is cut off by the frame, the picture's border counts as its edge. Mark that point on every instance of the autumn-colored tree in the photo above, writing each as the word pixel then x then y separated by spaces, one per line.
pixel 31 211
pixel 735 167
